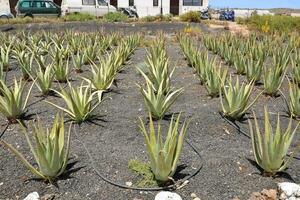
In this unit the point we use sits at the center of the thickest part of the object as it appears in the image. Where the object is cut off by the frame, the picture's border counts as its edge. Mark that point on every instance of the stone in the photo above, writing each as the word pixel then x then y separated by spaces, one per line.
pixel 164 195
pixel 193 195
pixel 48 197
pixel 289 191
pixel 197 198
pixel 264 195
pixel 32 196
pixel 129 184
pixel 270 194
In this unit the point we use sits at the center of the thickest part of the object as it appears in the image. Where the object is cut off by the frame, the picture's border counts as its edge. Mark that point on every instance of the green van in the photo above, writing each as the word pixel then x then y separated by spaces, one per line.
pixel 35 8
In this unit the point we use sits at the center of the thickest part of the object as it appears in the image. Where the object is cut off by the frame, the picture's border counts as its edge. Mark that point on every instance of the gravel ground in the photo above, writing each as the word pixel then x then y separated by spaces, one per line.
pixel 228 170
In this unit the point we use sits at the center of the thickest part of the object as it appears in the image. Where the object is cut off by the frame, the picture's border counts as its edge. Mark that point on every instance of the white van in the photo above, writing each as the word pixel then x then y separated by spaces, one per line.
pixel 93 7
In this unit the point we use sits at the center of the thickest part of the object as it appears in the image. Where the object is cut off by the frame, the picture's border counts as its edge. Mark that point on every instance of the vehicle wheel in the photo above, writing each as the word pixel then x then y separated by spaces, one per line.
pixel 28 15
pixel 3 17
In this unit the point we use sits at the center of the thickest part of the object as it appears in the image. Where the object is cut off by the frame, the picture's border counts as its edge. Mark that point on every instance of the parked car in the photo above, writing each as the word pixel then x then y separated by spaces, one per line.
pixel 93 7
pixel 6 15
pixel 34 8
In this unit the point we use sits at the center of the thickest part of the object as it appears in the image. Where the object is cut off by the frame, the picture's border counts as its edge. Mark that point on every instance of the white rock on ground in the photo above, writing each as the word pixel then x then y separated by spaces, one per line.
pixel 289 191
pixel 164 195
pixel 32 196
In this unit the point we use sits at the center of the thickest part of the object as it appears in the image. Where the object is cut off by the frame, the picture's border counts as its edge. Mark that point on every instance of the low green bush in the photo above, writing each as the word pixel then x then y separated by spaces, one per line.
pixel 192 16
pixel 78 17
pixel 115 17
pixel 272 24
pixel 28 20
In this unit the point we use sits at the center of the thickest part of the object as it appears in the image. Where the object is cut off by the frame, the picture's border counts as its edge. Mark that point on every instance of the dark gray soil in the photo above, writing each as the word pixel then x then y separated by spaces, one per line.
pixel 228 170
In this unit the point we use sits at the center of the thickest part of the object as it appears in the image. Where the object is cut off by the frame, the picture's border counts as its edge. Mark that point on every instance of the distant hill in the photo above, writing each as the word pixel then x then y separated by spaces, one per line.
pixel 284 10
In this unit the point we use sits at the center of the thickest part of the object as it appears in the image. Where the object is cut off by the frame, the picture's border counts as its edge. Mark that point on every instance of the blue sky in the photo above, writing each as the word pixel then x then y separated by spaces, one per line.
pixel 256 3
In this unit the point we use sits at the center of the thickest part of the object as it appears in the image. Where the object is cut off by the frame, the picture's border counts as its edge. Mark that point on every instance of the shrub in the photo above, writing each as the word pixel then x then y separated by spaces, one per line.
pixel 192 16
pixel 115 17
pixel 273 24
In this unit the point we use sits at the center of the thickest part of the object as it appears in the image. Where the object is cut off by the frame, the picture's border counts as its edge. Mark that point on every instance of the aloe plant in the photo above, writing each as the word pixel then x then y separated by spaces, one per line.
pixel 5 52
pixel 254 69
pixel 80 102
pixel 164 157
pixel 203 65
pixel 236 99
pixel 240 64
pixel 78 61
pixel 25 62
pixel 2 72
pixel 216 78
pixel 157 102
pixel 61 70
pixel 158 74
pixel 44 79
pixel 294 103
pixel 51 152
pixel 103 75
pixel 12 102
pixel 270 149
pixel 296 67
pixel 273 78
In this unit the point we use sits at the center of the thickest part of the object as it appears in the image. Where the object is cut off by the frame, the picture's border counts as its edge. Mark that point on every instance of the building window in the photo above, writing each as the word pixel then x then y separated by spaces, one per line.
pixel 131 2
pixel 155 2
pixel 88 2
pixel 192 2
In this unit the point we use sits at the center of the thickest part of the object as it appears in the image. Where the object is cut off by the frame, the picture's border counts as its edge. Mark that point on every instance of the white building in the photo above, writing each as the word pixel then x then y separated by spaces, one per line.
pixel 4 6
pixel 246 13
pixel 155 7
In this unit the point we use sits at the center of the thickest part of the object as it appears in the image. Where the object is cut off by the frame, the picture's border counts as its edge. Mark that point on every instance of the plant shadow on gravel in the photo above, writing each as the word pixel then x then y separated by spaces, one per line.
pixel 282 174
pixel 65 176
pixel 92 120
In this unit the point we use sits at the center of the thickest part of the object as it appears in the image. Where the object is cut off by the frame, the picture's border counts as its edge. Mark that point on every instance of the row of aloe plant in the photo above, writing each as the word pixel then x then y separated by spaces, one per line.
pixel 270 149
pixel 50 149
pixel 208 72
pixel 248 56
pixel 159 96
pixel 275 73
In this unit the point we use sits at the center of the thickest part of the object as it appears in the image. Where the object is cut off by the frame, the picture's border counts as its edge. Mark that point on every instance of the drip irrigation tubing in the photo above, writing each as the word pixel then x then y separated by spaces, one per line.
pixel 3 132
pixel 174 186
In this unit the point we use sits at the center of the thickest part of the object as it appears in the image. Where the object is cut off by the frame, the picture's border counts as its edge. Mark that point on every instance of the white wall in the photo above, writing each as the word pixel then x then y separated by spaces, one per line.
pixel 146 8
pixel 185 9
pixel 4 5
pixel 244 13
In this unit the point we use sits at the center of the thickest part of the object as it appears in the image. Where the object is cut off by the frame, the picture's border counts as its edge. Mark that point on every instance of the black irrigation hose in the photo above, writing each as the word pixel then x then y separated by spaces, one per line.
pixel 174 186
pixel 6 127
pixel 234 125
